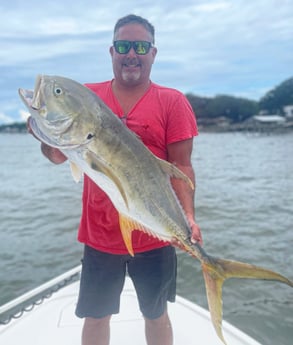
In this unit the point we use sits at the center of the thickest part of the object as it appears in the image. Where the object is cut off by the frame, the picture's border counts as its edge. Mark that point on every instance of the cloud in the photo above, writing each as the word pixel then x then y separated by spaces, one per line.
pixel 207 47
pixel 212 7
pixel 24 115
pixel 20 52
pixel 31 19
pixel 6 119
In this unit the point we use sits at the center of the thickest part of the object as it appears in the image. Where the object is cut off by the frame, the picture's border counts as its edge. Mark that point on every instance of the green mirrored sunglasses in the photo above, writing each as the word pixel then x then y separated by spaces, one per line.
pixel 124 46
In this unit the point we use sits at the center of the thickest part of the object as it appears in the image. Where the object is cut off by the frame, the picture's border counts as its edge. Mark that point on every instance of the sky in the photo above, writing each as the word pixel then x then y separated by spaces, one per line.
pixel 213 47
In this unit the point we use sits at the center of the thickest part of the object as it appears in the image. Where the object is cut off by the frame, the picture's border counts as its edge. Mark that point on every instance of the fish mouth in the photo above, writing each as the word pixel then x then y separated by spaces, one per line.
pixel 32 98
pixel 41 122
pixel 48 126
pixel 40 134
pixel 26 96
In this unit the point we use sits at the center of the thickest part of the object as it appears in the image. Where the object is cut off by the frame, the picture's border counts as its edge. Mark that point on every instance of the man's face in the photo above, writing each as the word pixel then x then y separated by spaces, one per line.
pixel 132 69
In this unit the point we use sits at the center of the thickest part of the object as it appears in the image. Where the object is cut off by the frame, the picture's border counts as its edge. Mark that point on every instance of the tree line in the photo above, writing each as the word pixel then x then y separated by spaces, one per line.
pixel 238 109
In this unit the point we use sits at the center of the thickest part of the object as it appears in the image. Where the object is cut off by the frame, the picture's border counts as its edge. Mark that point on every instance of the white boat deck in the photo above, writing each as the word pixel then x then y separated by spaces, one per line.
pixel 54 322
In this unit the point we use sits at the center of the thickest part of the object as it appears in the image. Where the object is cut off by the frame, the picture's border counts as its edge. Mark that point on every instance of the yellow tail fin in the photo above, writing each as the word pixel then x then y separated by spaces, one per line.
pixel 216 271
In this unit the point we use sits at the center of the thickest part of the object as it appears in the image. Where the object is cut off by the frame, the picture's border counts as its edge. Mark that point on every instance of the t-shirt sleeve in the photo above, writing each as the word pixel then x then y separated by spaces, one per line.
pixel 181 123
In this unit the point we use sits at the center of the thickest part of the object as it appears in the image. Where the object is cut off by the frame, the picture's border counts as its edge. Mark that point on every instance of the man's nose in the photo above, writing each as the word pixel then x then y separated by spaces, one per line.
pixel 131 52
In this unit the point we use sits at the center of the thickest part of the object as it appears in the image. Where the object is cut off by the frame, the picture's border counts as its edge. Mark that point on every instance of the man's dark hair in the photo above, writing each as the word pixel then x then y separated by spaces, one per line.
pixel 133 19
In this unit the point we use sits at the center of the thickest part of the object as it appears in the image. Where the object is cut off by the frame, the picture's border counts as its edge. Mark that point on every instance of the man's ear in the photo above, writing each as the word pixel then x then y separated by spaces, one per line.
pixel 111 50
pixel 154 53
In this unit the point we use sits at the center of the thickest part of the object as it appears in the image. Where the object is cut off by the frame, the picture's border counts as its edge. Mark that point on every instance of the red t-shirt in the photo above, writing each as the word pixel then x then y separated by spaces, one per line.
pixel 161 117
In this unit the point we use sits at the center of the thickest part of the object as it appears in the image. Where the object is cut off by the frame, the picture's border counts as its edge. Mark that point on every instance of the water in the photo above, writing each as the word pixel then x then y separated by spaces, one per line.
pixel 244 204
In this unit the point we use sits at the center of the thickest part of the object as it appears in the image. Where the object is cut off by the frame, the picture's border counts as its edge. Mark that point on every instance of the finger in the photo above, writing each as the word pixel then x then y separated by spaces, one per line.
pixel 196 234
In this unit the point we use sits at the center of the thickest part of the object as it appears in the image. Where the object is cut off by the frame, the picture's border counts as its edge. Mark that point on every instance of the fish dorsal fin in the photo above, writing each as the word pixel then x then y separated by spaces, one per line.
pixel 173 171
pixel 76 172
pixel 99 165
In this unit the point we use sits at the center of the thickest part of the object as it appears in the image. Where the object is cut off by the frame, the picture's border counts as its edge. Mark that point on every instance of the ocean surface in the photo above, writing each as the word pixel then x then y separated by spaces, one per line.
pixel 244 205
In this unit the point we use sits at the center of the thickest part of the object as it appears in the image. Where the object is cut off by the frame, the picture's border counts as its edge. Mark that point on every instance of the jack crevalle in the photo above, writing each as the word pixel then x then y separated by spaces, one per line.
pixel 70 117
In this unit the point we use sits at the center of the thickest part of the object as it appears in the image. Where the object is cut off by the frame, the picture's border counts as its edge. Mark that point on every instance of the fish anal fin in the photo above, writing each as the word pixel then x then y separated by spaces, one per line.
pixel 126 227
pixel 76 172
pixel 97 164
pixel 173 171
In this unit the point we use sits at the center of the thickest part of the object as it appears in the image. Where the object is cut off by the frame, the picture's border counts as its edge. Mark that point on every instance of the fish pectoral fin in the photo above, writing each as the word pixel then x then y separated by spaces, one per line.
pixel 173 171
pixel 99 165
pixel 76 172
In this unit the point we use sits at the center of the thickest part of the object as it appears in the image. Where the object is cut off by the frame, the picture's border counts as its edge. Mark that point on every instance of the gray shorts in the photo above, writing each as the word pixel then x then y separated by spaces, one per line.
pixel 153 274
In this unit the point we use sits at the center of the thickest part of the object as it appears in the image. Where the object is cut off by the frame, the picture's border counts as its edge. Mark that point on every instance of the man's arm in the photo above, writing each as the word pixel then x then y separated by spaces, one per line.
pixel 179 154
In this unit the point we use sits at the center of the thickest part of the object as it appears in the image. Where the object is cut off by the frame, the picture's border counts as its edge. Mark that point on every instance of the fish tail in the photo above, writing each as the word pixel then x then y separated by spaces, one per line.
pixel 216 271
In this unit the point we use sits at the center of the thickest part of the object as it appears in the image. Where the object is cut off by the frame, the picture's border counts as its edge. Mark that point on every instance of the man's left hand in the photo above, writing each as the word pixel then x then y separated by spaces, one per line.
pixel 195 237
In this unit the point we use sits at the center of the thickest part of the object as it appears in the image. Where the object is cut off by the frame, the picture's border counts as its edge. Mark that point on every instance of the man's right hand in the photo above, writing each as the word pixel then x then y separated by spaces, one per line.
pixel 54 155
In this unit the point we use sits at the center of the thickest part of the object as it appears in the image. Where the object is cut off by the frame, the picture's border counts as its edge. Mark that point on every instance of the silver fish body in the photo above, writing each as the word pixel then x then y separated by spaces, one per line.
pixel 70 117
pixel 96 141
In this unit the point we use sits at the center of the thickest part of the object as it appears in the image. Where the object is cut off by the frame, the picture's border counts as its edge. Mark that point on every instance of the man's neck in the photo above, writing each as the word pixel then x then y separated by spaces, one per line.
pixel 124 89
pixel 128 96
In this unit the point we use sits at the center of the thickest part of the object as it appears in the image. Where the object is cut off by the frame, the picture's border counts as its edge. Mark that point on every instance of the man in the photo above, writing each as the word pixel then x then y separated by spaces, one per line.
pixel 163 119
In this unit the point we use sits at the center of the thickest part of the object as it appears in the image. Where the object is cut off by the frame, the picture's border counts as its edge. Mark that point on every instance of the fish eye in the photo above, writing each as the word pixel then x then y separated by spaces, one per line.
pixel 58 91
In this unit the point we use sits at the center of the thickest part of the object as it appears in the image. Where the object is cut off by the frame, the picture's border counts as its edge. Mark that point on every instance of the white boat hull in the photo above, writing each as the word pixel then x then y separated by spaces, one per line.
pixel 54 322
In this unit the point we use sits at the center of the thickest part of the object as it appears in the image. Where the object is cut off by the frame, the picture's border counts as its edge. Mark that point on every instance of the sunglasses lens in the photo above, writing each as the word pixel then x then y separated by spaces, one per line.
pixel 122 47
pixel 140 47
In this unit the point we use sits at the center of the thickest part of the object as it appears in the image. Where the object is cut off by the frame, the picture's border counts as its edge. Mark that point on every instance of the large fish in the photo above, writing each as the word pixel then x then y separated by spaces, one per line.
pixel 70 117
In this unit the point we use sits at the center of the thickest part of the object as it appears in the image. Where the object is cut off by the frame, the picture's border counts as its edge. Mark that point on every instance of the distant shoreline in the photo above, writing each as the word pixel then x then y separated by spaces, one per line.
pixel 217 127
pixel 247 127
pixel 17 127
